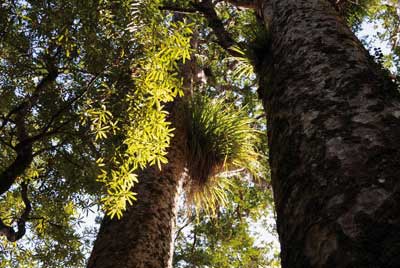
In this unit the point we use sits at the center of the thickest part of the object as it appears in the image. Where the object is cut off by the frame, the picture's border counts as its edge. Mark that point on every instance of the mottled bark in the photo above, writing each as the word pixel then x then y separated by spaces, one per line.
pixel 334 137
pixel 142 238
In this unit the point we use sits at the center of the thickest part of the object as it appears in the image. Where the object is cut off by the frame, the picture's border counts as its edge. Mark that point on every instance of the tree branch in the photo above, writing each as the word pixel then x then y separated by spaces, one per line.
pixel 69 104
pixel 43 84
pixel 206 7
pixel 251 4
pixel 44 220
pixel 224 38
pixel 9 231
pixel 194 242
pixel 23 159
pixel 24 147
pixel 49 148
pixel 177 9
pixel 177 233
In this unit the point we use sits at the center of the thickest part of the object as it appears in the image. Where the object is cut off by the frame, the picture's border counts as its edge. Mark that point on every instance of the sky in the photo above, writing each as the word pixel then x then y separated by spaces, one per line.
pixel 261 229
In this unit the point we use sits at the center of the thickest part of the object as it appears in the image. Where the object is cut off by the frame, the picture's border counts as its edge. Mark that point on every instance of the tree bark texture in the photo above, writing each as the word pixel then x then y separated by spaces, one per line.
pixel 334 137
pixel 142 238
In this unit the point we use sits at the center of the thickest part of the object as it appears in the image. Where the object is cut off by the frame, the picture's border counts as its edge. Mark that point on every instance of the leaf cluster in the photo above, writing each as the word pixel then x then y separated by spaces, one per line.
pixel 229 240
pixel 221 143
pixel 86 95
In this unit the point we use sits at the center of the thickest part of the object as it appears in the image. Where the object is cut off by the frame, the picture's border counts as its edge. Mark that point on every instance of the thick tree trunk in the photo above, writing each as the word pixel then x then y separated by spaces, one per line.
pixel 142 238
pixel 334 137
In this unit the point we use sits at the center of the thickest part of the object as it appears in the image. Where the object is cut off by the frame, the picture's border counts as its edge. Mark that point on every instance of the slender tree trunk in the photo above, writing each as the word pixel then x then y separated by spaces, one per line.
pixel 142 238
pixel 334 137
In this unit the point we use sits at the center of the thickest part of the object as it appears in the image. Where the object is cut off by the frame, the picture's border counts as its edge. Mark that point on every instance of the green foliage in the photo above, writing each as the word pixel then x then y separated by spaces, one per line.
pixel 147 135
pixel 39 38
pixel 53 240
pixel 356 11
pixel 386 18
pixel 111 67
pixel 221 138
pixel 77 78
pixel 229 240
pixel 243 65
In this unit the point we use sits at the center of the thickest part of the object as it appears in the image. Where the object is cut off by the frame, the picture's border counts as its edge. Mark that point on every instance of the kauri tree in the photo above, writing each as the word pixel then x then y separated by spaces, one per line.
pixel 82 93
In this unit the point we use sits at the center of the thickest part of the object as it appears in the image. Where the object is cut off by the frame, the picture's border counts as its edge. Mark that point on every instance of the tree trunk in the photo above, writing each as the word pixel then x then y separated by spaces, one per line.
pixel 142 238
pixel 334 137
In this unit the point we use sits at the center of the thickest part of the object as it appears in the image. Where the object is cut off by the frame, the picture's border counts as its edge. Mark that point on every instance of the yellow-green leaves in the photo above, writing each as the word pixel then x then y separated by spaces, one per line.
pixel 101 121
pixel 243 66
pixel 119 183
pixel 157 77
pixel 148 138
pixel 222 143
pixel 145 133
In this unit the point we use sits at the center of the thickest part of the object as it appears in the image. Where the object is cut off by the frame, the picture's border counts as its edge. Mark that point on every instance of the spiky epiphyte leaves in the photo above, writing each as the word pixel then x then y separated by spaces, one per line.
pixel 211 195
pixel 243 65
pixel 221 143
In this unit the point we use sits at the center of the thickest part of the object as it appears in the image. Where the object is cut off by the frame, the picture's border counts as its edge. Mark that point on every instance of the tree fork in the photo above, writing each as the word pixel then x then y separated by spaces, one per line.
pixel 334 137
pixel 9 231
pixel 23 149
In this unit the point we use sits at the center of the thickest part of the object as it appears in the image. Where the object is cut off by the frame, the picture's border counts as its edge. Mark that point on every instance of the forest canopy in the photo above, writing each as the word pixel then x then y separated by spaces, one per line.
pixel 85 93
